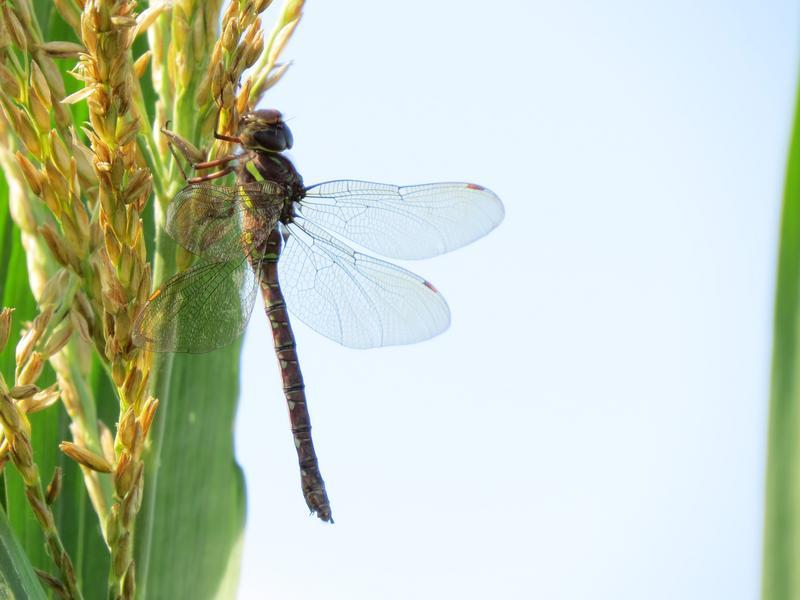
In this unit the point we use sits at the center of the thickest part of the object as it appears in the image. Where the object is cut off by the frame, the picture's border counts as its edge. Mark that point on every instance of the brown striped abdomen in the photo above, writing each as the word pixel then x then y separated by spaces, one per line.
pixel 293 386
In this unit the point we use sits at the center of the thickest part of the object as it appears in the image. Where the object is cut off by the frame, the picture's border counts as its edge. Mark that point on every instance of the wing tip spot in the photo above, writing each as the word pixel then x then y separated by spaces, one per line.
pixel 430 286
pixel 475 186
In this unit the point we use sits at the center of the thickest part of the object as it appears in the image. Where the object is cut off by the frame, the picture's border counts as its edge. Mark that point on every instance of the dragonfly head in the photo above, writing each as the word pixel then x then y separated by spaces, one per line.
pixel 264 131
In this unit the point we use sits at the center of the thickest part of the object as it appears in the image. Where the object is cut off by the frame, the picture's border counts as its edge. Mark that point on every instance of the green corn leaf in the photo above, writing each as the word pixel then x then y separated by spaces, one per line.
pixel 192 521
pixel 18 581
pixel 191 474
pixel 781 576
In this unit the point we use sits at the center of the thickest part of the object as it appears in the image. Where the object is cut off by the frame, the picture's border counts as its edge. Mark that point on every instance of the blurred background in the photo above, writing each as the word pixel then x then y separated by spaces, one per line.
pixel 593 424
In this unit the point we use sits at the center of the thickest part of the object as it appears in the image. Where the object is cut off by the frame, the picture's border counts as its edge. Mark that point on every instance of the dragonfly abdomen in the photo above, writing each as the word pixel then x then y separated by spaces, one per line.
pixel 293 386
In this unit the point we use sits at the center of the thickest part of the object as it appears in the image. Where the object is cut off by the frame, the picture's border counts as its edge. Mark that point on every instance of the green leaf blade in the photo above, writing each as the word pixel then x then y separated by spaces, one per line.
pixel 17 577
pixel 194 510
pixel 781 576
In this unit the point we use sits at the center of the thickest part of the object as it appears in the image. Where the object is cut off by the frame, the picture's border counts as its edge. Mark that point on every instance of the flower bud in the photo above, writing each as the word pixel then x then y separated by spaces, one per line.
pixel 5 326
pixel 85 457
pixel 54 487
pixel 63 49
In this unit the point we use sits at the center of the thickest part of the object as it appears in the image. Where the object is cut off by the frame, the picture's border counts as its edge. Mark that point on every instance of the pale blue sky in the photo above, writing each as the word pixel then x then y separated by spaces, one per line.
pixel 593 424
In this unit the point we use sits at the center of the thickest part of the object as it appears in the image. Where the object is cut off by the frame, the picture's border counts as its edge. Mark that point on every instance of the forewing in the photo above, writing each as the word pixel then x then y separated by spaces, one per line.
pixel 201 309
pixel 355 299
pixel 209 220
pixel 416 221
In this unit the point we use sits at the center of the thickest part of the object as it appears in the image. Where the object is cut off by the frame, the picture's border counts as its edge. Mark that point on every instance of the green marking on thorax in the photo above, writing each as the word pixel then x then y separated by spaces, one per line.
pixel 254 172
pixel 251 168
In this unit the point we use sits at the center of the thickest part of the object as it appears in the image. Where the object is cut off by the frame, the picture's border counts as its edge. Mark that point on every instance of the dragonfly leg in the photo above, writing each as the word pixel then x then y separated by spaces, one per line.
pixel 179 147
pixel 199 165
pixel 243 158
pixel 227 138
pixel 210 176
pixel 214 163
pixel 177 159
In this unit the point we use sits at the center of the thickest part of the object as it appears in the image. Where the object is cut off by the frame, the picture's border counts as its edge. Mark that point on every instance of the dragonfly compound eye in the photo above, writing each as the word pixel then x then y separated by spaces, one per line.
pixel 273 138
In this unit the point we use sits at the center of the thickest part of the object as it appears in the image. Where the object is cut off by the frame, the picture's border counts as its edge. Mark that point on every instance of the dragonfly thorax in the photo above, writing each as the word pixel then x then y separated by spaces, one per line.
pixel 277 168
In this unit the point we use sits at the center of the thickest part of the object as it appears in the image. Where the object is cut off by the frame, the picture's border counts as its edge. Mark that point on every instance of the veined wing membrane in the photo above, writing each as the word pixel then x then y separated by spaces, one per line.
pixel 208 219
pixel 355 299
pixel 201 309
pixel 416 221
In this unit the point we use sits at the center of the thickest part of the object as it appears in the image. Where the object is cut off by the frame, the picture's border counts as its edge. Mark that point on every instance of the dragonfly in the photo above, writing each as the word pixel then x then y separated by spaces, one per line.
pixel 271 233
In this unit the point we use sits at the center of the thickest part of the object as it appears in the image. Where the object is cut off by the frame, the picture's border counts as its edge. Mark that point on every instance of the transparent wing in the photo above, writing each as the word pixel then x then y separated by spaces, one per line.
pixel 416 221
pixel 203 308
pixel 208 220
pixel 354 299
